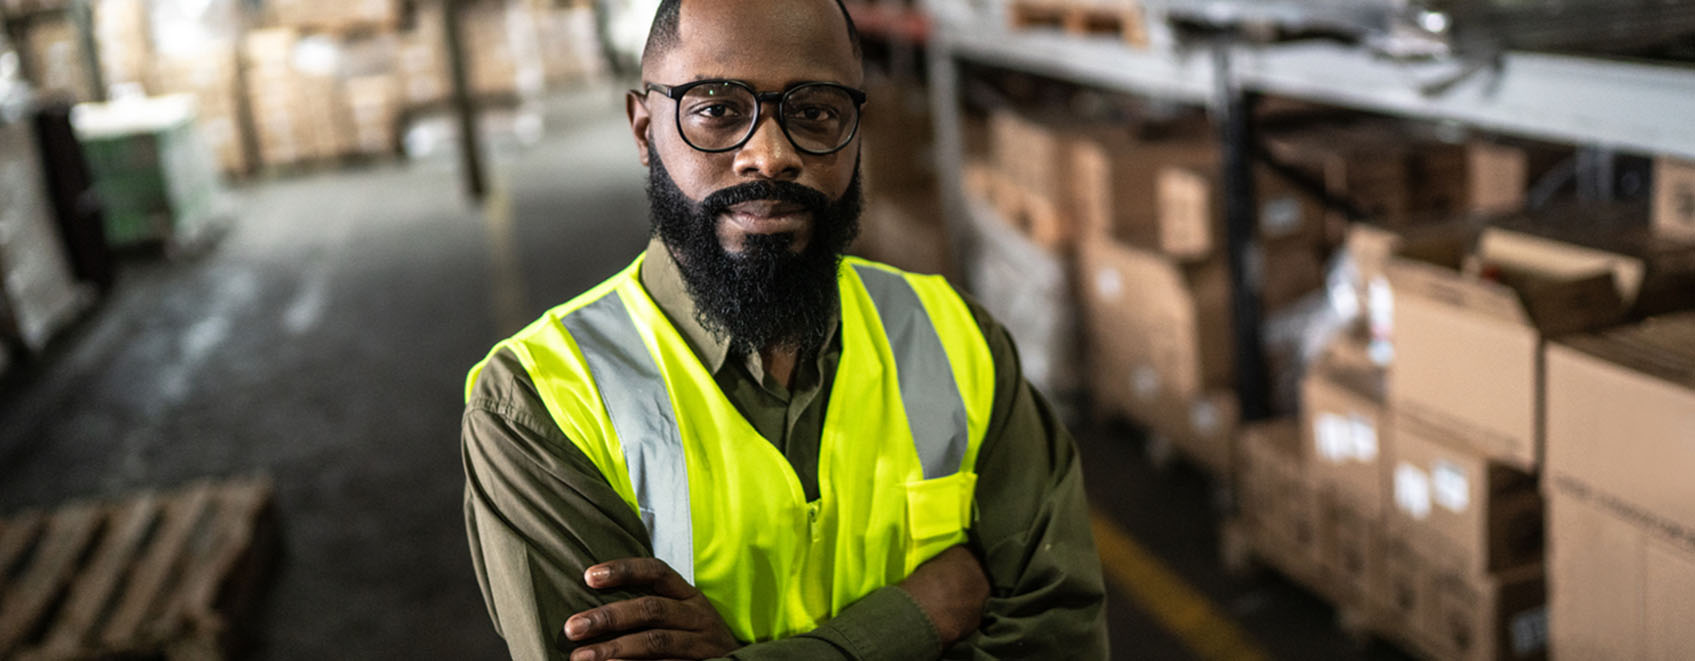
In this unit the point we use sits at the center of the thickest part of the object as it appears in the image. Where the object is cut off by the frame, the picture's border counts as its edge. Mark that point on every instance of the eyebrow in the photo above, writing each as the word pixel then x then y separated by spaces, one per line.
pixel 786 85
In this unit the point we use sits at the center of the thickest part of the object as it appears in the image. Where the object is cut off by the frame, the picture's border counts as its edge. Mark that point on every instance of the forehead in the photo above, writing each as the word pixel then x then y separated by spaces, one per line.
pixel 769 44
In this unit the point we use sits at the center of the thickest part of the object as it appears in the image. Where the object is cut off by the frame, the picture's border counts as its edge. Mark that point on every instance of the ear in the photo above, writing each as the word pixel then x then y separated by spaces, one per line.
pixel 635 107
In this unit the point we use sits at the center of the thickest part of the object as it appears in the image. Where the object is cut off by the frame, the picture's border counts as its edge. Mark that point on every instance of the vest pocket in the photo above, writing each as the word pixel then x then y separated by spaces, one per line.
pixel 938 512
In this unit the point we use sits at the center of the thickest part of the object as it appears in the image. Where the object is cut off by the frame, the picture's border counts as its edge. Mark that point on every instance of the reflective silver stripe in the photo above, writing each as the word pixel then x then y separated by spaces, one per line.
pixel 934 407
pixel 634 393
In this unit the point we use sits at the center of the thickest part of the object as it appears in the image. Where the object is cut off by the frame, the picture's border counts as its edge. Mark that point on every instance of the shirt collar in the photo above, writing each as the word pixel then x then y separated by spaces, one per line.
pixel 663 280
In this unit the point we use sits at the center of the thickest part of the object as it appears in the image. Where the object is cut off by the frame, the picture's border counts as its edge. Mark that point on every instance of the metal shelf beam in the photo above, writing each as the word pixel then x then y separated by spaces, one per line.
pixel 1099 61
pixel 1627 106
pixel 1619 105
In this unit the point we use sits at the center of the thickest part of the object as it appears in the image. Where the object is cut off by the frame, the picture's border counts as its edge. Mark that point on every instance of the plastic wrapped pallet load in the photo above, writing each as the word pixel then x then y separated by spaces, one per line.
pixel 1029 291
pixel 41 294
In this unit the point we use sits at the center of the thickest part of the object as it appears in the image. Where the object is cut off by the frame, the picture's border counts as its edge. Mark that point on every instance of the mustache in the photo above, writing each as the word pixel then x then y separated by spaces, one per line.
pixel 721 200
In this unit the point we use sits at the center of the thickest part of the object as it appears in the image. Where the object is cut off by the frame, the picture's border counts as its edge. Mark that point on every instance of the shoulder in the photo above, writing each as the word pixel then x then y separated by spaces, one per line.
pixel 501 388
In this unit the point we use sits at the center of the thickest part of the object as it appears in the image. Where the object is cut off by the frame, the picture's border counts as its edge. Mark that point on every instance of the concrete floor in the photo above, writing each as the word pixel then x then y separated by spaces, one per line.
pixel 325 340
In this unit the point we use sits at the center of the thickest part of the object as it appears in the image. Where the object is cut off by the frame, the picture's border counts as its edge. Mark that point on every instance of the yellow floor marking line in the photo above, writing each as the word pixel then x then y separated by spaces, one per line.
pixel 1179 608
pixel 508 281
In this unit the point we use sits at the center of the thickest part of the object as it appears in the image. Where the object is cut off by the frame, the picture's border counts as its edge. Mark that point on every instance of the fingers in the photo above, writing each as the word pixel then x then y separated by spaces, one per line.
pixel 634 572
pixel 650 644
pixel 639 613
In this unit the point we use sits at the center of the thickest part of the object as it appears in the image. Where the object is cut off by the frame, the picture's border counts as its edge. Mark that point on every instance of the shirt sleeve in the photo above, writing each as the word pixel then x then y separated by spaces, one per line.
pixel 538 513
pixel 1047 598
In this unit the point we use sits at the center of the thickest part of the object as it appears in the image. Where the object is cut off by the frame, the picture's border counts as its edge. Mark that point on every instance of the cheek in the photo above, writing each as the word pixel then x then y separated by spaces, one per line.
pixel 696 174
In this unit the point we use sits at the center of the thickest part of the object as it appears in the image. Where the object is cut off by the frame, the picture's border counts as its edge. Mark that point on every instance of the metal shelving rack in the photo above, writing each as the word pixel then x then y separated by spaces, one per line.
pixel 1604 105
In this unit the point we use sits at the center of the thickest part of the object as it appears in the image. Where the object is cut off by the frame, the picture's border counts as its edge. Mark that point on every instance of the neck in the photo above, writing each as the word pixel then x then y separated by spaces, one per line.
pixel 780 363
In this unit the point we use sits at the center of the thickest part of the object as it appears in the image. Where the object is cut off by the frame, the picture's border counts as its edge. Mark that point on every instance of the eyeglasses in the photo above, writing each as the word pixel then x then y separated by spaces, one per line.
pixel 721 115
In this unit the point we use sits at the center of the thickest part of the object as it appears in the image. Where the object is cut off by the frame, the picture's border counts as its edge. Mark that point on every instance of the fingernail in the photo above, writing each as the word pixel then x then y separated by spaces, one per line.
pixel 574 628
pixel 599 574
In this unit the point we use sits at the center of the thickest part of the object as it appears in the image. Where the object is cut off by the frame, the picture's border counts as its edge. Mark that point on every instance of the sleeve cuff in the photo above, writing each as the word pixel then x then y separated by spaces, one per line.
pixel 886 624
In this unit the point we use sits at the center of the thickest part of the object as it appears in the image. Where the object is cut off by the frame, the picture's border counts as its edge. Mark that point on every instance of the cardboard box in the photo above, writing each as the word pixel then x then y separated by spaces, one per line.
pixel 1191 211
pixel 1166 321
pixel 53 58
pixel 122 30
pixel 1498 617
pixel 1471 514
pixel 1468 347
pixel 1279 506
pixel 1407 601
pixel 1498 177
pixel 1399 176
pixel 1291 271
pixel 336 15
pixel 1351 551
pixel 374 107
pixel 1674 198
pixel 1116 183
pixel 1655 274
pixel 1346 428
pixel 212 77
pixel 1621 407
pixel 1621 584
pixel 1036 193
pixel 905 230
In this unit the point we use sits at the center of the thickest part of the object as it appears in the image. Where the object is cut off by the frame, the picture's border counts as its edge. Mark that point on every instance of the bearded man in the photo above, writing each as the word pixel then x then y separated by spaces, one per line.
pixel 748 446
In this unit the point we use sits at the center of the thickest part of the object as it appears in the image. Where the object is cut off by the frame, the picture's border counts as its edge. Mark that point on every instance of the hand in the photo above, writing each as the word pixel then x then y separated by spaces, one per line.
pixel 951 588
pixel 674 622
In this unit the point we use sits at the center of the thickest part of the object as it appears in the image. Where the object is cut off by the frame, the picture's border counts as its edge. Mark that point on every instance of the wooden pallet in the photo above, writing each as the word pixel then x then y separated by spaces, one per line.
pixel 159 575
pixel 1122 19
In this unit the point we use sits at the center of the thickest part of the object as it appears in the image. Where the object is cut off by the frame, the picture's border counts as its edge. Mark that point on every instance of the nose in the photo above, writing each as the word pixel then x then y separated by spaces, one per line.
pixel 768 154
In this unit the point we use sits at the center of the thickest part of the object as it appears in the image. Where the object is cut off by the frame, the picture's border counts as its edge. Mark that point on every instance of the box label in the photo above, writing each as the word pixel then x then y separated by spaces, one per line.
pixel 1144 381
pixel 1203 417
pixel 1339 439
pixel 1109 284
pixel 1280 216
pixel 1449 486
pixel 1412 491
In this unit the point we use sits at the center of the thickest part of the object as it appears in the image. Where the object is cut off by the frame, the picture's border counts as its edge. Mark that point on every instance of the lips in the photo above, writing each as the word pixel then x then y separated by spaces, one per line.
pixel 767 216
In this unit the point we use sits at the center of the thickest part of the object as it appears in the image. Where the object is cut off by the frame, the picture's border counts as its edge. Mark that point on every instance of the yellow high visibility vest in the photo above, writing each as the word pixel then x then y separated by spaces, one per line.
pixel 907 414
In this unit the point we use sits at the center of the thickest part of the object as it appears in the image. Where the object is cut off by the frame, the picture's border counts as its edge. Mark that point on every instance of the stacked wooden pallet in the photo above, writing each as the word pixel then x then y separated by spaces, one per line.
pixel 159 575
pixel 1123 18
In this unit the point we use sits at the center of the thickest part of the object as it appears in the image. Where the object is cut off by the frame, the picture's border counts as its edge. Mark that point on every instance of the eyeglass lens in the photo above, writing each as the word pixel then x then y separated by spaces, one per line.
pixel 718 116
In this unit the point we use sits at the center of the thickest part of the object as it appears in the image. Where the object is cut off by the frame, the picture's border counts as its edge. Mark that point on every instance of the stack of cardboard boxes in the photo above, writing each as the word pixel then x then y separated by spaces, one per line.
pixel 213 78
pixel 121 29
pixel 1621 556
pixel 1422 469
pixel 902 223
pixel 52 57
pixel 1619 410
pixel 315 81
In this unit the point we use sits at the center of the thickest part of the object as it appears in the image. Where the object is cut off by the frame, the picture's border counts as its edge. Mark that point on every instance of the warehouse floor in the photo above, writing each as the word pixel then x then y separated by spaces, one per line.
pixel 324 342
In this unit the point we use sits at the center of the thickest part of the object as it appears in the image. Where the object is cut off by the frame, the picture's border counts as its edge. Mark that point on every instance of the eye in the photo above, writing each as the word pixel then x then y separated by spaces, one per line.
pixel 812 113
pixel 716 111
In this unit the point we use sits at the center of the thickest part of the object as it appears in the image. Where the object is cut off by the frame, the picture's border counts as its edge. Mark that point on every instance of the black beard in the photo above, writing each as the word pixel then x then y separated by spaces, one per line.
pixel 767 295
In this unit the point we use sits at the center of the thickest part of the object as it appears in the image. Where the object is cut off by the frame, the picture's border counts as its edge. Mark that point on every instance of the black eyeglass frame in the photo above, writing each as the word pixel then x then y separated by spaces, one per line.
pixel 676 92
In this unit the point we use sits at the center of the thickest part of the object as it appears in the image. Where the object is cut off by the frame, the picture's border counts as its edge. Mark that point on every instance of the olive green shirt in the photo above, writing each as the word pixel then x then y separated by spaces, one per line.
pixel 539 513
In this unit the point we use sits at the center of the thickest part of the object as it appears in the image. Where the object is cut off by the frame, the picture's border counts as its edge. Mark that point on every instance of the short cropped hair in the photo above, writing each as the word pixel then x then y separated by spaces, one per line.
pixel 662 37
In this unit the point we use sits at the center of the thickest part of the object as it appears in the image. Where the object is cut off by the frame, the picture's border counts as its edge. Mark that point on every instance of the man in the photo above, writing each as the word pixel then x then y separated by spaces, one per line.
pixel 746 446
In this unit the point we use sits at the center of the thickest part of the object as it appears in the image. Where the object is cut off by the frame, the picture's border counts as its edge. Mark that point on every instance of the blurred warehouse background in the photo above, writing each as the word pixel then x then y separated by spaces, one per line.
pixel 1374 319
